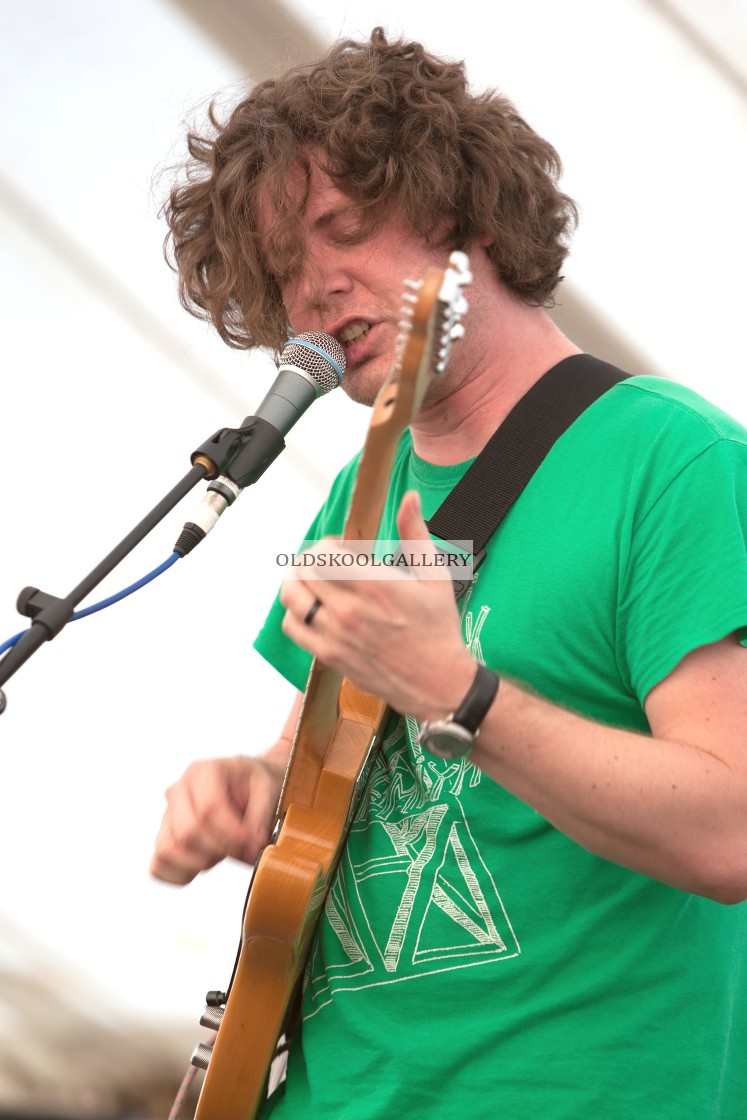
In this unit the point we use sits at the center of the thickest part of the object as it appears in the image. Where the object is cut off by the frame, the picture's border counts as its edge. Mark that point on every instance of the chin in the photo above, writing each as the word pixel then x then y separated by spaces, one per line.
pixel 361 394
pixel 362 387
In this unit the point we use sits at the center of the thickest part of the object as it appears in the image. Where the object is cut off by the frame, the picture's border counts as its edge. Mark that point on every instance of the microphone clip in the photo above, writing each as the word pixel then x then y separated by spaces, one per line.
pixel 241 454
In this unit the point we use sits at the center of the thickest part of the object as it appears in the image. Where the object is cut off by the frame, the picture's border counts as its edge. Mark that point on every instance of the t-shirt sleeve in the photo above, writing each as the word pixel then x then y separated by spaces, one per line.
pixel 283 654
pixel 685 584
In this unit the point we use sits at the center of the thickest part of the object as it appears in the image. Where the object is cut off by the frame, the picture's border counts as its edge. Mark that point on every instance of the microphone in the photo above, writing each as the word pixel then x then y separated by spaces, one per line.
pixel 310 365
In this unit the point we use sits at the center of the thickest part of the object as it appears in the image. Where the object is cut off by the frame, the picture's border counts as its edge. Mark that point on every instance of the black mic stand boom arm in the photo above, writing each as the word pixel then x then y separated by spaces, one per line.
pixel 241 454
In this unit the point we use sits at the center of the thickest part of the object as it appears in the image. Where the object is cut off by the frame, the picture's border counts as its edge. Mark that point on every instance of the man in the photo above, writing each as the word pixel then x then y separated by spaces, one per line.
pixel 538 928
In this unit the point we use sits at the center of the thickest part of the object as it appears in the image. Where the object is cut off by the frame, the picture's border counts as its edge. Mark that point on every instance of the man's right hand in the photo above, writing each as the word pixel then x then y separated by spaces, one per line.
pixel 221 807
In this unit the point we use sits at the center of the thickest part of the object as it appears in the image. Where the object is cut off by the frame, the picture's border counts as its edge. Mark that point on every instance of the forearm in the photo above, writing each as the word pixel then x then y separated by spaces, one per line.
pixel 276 756
pixel 672 806
pixel 672 811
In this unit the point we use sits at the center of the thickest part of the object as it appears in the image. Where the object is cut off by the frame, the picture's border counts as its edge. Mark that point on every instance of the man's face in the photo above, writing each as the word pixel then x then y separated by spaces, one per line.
pixel 350 284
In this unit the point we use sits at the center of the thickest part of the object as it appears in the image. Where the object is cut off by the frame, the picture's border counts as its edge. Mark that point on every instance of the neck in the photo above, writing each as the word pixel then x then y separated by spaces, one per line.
pixel 457 421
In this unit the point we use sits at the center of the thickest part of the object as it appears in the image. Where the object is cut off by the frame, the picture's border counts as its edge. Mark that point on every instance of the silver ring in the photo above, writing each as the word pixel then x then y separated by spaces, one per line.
pixel 309 616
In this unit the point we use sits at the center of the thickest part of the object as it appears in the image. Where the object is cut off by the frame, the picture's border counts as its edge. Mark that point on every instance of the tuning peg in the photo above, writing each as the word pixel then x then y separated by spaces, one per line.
pixel 459 261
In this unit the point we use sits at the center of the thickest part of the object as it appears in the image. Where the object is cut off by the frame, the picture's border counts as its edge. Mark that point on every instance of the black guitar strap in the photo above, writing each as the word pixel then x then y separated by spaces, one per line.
pixel 483 496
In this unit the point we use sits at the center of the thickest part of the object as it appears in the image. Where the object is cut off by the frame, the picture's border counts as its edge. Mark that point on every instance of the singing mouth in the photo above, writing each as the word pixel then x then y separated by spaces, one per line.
pixel 354 331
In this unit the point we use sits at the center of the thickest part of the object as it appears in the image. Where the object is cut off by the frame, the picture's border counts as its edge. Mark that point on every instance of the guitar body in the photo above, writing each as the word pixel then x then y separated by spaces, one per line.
pixel 338 731
pixel 288 889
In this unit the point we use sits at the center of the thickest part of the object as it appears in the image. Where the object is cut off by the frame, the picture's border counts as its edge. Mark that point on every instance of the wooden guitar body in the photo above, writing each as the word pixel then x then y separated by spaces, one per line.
pixel 288 890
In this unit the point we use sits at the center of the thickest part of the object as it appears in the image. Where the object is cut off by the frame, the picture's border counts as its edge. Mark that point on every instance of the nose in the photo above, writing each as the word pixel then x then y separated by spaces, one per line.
pixel 325 280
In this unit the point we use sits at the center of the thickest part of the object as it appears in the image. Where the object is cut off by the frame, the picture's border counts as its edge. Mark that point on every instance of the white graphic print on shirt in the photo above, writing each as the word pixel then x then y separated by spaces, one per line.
pixel 413 895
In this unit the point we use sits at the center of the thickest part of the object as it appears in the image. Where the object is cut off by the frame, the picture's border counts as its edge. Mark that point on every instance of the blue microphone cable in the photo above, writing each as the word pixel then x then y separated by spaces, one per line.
pixel 85 611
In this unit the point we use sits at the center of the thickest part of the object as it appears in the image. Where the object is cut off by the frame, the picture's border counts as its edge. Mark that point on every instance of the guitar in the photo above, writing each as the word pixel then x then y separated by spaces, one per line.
pixel 337 734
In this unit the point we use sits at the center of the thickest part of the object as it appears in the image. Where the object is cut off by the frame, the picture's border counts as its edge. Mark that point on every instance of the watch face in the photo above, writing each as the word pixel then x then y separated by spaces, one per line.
pixel 446 740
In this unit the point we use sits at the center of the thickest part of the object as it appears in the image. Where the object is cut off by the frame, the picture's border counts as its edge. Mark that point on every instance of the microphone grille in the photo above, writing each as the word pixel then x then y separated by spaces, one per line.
pixel 319 355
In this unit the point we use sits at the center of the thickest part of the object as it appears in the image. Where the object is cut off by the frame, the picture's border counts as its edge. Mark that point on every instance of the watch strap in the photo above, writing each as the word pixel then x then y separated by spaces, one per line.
pixel 476 704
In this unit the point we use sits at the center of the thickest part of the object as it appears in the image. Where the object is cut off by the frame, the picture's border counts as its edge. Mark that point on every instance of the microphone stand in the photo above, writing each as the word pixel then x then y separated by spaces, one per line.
pixel 242 454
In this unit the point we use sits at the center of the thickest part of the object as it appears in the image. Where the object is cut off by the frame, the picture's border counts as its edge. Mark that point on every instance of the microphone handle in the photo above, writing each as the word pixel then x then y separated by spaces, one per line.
pixel 249 450
pixel 291 393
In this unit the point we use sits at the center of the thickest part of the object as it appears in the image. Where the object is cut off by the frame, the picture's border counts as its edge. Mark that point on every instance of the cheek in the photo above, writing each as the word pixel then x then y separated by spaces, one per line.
pixel 302 297
pixel 290 294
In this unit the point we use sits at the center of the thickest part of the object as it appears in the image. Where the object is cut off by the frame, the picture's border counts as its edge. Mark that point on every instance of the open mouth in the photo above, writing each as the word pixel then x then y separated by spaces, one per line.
pixel 354 332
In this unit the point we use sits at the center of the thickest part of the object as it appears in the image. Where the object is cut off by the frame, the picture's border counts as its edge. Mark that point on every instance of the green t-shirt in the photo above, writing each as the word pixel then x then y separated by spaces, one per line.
pixel 471 958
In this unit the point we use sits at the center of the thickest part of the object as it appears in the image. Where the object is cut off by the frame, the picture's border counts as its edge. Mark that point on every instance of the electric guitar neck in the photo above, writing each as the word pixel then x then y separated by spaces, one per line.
pixel 338 732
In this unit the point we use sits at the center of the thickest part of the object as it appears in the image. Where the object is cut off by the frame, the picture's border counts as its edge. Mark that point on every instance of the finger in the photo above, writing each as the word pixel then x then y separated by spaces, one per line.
pixel 311 613
pixel 304 635
pixel 413 531
pixel 328 560
pixel 203 823
pixel 411 525
pixel 172 862
pixel 261 808
pixel 300 600
pixel 302 621
pixel 208 816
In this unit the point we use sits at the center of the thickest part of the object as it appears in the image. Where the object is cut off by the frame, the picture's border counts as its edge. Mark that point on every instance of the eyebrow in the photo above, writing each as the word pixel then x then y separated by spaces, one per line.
pixel 327 217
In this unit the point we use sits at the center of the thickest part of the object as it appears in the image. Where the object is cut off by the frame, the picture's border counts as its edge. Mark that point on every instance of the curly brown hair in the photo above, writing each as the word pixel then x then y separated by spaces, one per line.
pixel 392 125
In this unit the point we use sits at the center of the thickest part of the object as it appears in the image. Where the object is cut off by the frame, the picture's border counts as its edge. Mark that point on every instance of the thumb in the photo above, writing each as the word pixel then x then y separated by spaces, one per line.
pixel 410 523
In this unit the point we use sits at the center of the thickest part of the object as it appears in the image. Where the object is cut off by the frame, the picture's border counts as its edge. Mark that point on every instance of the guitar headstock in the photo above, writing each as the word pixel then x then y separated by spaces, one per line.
pixel 433 309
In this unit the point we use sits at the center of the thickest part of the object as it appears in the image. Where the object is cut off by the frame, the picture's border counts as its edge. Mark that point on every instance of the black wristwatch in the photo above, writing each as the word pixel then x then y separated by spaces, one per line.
pixel 454 736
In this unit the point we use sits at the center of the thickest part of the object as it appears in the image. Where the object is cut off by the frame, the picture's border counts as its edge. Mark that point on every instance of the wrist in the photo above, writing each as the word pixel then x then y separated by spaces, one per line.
pixel 454 735
pixel 447 693
pixel 275 758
